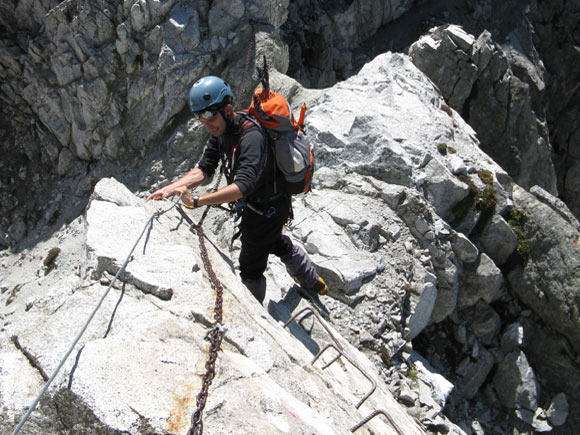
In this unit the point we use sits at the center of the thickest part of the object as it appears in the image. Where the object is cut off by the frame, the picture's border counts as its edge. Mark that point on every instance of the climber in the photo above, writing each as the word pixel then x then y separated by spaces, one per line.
pixel 251 173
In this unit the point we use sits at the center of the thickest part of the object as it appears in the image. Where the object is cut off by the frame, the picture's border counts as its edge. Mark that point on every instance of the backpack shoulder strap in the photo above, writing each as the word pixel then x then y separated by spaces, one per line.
pixel 249 121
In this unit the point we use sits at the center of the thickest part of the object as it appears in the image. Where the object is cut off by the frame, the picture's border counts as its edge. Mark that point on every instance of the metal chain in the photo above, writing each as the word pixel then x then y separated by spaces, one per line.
pixel 216 334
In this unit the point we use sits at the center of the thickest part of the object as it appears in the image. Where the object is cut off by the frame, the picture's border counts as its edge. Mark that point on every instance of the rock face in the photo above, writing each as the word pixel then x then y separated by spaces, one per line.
pixel 402 259
pixel 139 365
pixel 323 37
pixel 106 82
pixel 549 282
pixel 503 117
pixel 538 55
pixel 430 247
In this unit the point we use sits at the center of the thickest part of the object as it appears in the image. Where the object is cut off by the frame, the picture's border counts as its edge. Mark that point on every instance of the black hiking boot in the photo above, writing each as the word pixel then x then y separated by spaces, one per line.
pixel 319 286
pixel 312 295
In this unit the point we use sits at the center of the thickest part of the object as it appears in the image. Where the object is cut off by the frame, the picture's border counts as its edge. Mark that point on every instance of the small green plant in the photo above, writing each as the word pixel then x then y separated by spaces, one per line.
pixel 447 110
pixel 521 256
pixel 13 294
pixel 413 372
pixel 517 218
pixel 442 148
pixel 451 150
pixel 485 199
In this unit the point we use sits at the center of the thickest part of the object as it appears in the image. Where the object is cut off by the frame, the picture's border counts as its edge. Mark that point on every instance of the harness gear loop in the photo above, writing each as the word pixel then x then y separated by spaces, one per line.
pixel 271 211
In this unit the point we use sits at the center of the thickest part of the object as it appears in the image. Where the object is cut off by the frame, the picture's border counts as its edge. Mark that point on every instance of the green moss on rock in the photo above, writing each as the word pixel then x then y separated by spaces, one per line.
pixel 521 255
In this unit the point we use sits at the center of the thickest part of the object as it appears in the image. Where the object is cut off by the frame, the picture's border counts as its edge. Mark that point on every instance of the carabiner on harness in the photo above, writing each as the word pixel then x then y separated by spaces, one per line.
pixel 271 211
pixel 238 208
pixel 268 214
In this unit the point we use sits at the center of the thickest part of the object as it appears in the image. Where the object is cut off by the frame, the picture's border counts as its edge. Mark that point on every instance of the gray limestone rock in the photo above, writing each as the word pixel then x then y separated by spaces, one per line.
pixel 473 372
pixel 498 239
pixel 481 280
pixel 465 250
pixel 557 412
pixel 263 370
pixel 515 383
pixel 548 282
pixel 540 422
pixel 100 81
pixel 505 120
pixel 441 189
pixel 485 323
pixel 512 338
pixel 433 53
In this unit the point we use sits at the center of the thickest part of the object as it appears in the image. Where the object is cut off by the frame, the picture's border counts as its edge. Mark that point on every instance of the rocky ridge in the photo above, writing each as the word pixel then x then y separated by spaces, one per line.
pixel 384 230
pixel 453 258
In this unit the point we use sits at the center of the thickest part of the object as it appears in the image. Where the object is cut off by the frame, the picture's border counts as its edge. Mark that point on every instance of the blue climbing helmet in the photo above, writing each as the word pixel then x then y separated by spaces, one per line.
pixel 209 92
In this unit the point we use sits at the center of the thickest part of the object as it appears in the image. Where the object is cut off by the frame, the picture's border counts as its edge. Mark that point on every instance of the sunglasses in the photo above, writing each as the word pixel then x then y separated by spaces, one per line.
pixel 206 115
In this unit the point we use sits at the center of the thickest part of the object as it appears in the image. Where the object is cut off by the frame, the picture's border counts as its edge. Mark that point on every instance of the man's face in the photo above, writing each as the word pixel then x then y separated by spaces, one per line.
pixel 215 125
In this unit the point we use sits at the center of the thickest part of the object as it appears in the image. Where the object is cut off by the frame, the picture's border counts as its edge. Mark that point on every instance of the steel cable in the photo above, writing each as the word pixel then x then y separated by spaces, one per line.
pixel 85 326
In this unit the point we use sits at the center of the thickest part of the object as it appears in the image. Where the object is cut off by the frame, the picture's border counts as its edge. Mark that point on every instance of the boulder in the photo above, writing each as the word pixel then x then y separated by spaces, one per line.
pixel 143 332
pixel 473 372
pixel 547 282
pixel 512 338
pixel 498 239
pixel 485 323
pixel 557 411
pixel 435 52
pixel 515 383
pixel 481 280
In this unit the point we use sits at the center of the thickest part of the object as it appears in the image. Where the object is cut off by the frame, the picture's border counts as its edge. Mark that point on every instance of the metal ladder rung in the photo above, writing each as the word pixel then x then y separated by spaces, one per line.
pixel 313 311
pixel 354 364
pixel 373 415
pixel 340 351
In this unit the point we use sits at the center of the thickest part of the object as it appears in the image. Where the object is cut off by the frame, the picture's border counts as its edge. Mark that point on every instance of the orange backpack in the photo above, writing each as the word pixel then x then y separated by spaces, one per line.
pixel 290 144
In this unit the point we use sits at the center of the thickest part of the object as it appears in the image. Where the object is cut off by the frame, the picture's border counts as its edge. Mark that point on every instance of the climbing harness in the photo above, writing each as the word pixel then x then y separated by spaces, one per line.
pixel 149 223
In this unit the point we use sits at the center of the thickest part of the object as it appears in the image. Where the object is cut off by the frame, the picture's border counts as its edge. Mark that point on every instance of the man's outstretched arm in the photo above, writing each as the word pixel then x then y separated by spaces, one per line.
pixel 190 180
